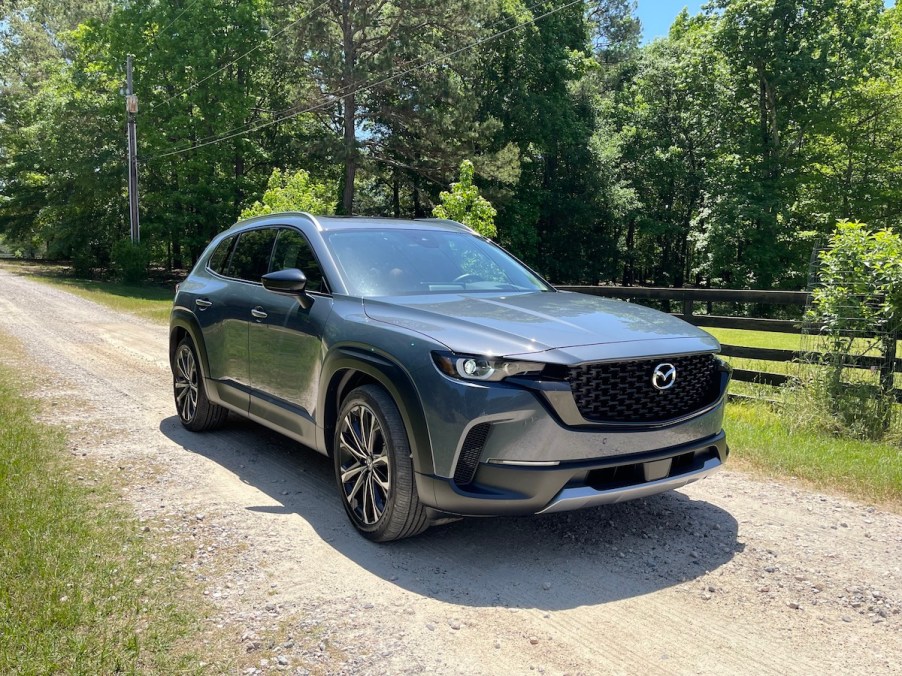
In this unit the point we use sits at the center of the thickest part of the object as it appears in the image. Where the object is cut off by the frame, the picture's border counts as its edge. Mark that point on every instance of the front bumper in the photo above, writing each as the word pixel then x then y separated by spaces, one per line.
pixel 502 489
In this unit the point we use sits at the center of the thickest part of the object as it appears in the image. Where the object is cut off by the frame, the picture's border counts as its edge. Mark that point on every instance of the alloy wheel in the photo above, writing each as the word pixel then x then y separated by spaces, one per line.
pixel 185 383
pixel 364 465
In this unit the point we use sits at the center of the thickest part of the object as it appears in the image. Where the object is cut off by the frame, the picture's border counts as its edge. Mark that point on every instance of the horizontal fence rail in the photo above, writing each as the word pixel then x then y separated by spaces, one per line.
pixel 694 294
pixel 688 297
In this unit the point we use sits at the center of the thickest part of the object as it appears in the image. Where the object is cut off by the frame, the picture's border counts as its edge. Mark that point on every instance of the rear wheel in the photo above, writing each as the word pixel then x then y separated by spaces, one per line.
pixel 373 467
pixel 196 411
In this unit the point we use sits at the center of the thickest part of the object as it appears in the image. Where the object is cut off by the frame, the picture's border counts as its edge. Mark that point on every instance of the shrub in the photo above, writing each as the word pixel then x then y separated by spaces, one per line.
pixel 83 264
pixel 130 261
pixel 465 205
pixel 858 306
pixel 294 192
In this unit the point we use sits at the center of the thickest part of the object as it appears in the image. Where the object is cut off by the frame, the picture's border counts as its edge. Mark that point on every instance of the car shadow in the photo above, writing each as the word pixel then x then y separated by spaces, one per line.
pixel 550 562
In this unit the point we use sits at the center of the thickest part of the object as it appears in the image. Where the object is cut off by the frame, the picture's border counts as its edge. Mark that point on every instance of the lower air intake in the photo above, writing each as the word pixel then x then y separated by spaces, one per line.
pixel 470 454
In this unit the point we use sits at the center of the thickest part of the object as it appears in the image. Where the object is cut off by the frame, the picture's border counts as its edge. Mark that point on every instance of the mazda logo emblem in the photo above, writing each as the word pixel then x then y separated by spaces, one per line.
pixel 664 376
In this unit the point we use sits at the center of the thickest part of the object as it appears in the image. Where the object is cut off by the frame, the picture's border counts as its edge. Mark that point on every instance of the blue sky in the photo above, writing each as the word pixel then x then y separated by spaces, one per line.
pixel 657 15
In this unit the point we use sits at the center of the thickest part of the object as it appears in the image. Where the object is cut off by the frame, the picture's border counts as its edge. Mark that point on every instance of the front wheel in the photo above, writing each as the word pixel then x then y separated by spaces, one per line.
pixel 373 467
pixel 196 411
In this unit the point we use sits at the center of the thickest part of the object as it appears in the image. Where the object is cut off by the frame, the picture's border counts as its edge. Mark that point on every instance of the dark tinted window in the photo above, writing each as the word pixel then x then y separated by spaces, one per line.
pixel 221 255
pixel 293 251
pixel 250 259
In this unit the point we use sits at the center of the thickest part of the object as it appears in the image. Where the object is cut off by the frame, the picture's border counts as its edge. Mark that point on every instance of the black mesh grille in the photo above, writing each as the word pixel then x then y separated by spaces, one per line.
pixel 623 391
pixel 469 454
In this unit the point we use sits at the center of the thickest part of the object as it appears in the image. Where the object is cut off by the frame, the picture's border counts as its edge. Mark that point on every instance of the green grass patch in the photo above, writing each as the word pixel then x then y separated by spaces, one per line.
pixel 150 302
pixel 762 440
pixel 81 588
pixel 768 339
pixel 783 341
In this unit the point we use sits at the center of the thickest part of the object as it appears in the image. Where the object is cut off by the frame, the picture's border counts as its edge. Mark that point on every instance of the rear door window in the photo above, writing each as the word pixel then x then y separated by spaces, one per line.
pixel 250 259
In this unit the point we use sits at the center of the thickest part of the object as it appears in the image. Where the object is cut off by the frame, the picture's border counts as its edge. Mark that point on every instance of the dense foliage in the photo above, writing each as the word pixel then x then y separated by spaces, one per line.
pixel 713 156
pixel 858 307
pixel 464 204
pixel 293 192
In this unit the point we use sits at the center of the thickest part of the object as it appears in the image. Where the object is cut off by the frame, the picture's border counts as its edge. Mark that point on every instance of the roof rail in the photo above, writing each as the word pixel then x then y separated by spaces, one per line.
pixel 313 219
pixel 448 221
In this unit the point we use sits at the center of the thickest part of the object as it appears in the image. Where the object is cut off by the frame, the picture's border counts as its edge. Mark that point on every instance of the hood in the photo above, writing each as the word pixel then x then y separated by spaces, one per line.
pixel 507 324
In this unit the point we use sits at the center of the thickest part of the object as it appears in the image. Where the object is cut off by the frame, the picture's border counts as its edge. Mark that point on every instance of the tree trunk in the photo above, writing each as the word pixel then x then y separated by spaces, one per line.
pixel 417 205
pixel 350 107
pixel 629 267
pixel 350 143
pixel 176 254
pixel 396 196
pixel 239 158
pixel 239 175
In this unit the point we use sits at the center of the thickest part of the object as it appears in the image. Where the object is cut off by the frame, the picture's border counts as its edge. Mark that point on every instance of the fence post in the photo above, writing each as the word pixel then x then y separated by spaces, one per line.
pixel 888 369
pixel 687 309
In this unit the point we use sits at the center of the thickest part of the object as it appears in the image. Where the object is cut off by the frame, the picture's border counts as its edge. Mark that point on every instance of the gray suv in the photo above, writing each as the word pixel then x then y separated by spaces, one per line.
pixel 441 375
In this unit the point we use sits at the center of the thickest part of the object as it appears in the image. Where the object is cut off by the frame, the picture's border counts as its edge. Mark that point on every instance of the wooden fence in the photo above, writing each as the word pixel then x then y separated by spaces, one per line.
pixel 687 299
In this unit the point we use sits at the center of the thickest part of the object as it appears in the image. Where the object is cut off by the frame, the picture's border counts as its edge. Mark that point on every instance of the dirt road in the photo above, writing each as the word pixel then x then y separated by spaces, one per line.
pixel 730 575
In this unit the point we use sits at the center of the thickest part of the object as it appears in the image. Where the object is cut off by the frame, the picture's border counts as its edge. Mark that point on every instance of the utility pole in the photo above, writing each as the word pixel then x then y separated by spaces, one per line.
pixel 131 108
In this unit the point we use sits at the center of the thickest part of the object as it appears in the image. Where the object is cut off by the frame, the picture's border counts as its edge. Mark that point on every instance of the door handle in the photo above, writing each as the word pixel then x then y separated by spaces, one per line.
pixel 202 303
pixel 258 313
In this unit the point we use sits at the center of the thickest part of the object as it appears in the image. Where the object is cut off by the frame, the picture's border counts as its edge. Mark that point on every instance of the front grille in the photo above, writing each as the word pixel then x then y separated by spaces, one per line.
pixel 469 454
pixel 622 392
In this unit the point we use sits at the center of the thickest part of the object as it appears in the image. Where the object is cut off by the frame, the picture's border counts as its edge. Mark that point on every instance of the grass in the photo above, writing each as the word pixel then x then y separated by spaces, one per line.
pixel 768 339
pixel 82 588
pixel 784 341
pixel 761 440
pixel 149 302
pixel 765 441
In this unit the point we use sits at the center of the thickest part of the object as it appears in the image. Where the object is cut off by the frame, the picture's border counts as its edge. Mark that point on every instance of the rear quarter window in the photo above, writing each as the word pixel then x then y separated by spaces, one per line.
pixel 220 256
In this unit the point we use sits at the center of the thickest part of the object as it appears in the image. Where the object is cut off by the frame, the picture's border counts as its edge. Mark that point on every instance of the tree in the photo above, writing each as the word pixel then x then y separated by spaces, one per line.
pixel 293 192
pixel 670 118
pixel 364 64
pixel 201 73
pixel 790 67
pixel 531 81
pixel 855 169
pixel 49 175
pixel 857 306
pixel 465 205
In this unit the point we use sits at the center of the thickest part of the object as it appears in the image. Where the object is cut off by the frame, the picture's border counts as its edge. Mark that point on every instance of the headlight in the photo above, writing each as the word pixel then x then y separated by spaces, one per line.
pixel 472 367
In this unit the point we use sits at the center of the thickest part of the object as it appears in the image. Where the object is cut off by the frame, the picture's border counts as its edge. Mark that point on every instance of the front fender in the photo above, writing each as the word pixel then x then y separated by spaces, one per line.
pixel 339 368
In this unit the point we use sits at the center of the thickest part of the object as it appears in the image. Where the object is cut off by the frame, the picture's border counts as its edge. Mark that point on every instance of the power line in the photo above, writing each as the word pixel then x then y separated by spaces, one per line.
pixel 335 97
pixel 233 61
pixel 293 23
pixel 345 91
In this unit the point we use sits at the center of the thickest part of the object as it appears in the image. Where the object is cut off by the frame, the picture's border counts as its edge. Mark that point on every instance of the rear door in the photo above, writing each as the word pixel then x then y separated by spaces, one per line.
pixel 247 264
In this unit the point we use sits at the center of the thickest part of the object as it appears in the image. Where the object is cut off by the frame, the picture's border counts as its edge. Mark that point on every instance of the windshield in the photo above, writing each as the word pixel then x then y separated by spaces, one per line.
pixel 413 262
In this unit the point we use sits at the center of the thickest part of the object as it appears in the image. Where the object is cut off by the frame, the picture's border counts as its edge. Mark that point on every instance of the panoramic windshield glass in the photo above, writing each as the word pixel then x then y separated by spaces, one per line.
pixel 408 262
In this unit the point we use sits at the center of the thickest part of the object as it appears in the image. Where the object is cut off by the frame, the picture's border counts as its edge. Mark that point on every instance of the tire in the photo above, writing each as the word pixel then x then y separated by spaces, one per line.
pixel 196 412
pixel 373 469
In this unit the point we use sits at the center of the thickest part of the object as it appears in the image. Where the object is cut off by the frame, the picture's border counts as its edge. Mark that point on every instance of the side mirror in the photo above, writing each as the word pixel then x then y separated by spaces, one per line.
pixel 291 281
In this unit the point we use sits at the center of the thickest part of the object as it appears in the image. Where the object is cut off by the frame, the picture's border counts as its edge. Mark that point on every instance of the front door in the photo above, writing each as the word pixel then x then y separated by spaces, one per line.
pixel 286 342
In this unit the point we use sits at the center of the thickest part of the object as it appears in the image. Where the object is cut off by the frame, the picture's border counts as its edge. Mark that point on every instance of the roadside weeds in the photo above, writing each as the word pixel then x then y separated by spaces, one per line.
pixel 83 586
